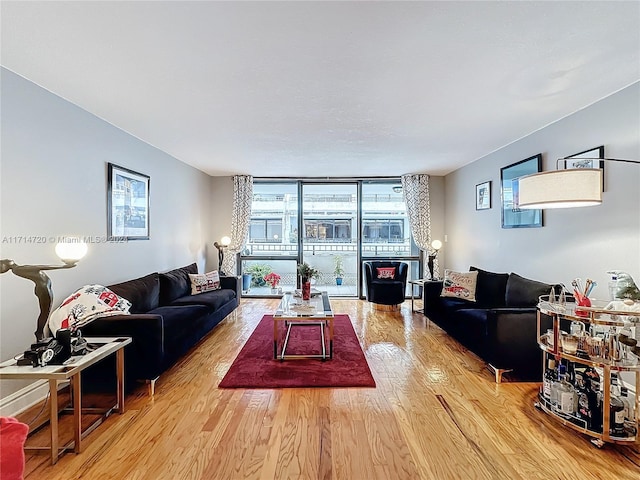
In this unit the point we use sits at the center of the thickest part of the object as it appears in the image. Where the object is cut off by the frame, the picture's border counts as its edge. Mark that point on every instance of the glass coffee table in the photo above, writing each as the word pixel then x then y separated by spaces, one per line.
pixel 295 312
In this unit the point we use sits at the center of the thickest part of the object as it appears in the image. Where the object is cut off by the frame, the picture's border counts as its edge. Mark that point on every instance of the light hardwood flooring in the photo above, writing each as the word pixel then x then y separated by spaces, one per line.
pixel 436 413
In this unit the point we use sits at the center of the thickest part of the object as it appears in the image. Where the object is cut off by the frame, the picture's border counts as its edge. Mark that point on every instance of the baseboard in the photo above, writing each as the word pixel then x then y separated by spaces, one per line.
pixel 24 398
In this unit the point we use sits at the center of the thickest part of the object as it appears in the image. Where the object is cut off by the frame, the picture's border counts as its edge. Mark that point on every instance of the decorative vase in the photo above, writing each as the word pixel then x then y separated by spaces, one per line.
pixel 306 290
pixel 274 290
pixel 338 280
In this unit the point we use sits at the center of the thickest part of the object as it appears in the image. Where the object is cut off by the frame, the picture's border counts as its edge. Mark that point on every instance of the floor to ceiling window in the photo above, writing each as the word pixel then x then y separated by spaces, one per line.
pixel 333 226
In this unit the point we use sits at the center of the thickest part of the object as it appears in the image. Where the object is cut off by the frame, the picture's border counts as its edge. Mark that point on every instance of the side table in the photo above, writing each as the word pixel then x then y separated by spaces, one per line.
pixel 70 371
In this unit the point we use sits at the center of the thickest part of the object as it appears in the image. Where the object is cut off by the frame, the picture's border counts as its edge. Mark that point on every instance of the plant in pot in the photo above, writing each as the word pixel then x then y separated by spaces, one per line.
pixel 306 272
pixel 273 279
pixel 338 271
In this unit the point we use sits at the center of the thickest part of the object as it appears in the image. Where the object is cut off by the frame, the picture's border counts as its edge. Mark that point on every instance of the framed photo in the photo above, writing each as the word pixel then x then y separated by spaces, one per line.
pixel 483 196
pixel 512 215
pixel 586 160
pixel 127 204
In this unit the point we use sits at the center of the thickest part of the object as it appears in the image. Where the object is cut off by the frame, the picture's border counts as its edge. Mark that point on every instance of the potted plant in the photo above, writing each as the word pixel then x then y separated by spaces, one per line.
pixel 273 279
pixel 338 271
pixel 306 272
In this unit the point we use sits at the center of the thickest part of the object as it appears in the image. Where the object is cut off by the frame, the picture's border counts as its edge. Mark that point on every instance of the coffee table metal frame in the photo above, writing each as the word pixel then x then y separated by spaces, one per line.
pixel 70 371
pixel 293 313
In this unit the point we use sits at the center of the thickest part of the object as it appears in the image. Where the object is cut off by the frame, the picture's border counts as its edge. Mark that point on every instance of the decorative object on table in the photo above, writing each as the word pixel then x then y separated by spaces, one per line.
pixel 483 196
pixel 338 271
pixel 306 273
pixel 512 215
pixel 567 187
pixel 273 280
pixel 436 245
pixel 128 205
pixel 224 243
pixel 625 287
pixel 70 250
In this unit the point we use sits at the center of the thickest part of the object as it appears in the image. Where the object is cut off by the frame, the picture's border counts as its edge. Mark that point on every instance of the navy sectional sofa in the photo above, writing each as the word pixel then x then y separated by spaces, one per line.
pixel 500 326
pixel 166 321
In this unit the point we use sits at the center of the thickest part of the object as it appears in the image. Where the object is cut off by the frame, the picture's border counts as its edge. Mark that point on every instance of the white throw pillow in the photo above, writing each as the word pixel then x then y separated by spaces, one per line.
pixel 204 282
pixel 460 285
pixel 84 305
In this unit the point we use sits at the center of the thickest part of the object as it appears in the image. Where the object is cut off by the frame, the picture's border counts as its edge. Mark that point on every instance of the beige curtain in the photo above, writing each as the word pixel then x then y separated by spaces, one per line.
pixel 242 200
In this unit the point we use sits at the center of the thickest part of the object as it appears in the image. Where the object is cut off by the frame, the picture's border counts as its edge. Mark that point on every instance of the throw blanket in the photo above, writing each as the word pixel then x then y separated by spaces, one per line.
pixel 85 305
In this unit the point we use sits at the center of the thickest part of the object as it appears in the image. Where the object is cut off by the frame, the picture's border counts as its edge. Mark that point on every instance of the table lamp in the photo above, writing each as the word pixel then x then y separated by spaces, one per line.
pixel 70 250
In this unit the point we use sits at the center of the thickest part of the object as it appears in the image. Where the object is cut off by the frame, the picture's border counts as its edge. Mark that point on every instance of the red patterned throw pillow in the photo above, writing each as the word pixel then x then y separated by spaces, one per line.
pixel 204 282
pixel 387 273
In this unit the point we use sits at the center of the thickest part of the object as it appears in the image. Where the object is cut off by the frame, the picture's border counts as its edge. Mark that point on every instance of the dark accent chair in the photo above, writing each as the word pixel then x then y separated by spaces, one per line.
pixel 386 291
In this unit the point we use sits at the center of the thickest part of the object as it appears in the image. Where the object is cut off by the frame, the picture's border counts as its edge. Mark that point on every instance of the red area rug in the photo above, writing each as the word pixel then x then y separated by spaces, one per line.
pixel 254 367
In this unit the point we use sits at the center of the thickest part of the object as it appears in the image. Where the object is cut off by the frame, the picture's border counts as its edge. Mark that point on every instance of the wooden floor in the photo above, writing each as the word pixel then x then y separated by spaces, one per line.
pixel 436 414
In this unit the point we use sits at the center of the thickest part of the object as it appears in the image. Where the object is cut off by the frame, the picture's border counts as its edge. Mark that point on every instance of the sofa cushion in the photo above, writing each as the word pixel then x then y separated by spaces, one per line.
pixel 204 282
pixel 460 285
pixel 522 292
pixel 175 283
pixel 143 292
pixel 491 288
pixel 212 300
pixel 386 273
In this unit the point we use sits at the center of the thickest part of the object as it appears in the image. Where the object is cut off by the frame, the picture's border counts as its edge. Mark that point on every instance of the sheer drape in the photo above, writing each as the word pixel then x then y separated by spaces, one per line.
pixel 415 191
pixel 242 200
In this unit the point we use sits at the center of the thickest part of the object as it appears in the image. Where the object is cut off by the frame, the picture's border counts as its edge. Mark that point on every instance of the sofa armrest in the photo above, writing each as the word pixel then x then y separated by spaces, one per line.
pixel 431 291
pixel 145 354
pixel 513 340
pixel 232 283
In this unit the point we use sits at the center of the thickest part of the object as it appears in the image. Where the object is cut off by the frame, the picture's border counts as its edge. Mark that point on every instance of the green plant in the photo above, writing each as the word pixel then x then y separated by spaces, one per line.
pixel 258 272
pixel 338 271
pixel 307 272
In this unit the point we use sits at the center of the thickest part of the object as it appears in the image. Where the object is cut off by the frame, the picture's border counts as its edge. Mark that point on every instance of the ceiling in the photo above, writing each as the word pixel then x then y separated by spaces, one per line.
pixel 322 89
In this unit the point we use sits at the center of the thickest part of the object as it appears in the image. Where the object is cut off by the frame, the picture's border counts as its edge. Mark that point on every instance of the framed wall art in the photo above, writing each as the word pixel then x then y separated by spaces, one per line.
pixel 483 196
pixel 586 160
pixel 127 204
pixel 512 215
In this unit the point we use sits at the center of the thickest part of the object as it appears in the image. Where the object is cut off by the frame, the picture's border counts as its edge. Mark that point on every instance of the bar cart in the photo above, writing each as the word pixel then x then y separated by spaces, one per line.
pixel 597 351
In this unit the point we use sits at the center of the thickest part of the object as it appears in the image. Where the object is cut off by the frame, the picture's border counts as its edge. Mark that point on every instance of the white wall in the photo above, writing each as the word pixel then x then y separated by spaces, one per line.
pixel 581 242
pixel 54 181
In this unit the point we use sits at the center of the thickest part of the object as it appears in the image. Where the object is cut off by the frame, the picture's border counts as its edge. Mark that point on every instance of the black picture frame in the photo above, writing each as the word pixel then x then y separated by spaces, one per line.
pixel 128 204
pixel 483 196
pixel 512 216
pixel 585 160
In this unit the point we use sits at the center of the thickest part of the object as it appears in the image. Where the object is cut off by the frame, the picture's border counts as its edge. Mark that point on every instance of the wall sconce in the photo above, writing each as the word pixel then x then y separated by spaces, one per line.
pixel 568 188
pixel 224 243
pixel 70 250
pixel 436 245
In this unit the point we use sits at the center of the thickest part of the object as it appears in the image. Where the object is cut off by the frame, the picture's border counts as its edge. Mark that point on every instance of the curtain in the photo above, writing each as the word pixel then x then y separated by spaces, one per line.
pixel 415 192
pixel 242 199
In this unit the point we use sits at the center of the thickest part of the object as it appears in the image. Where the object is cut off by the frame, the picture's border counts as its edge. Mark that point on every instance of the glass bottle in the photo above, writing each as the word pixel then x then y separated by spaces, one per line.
pixel 548 379
pixel 582 388
pixel 616 415
pixel 594 399
pixel 566 392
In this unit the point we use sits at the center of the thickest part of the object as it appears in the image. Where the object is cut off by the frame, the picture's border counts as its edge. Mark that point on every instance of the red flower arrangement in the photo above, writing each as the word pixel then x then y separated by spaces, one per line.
pixel 273 279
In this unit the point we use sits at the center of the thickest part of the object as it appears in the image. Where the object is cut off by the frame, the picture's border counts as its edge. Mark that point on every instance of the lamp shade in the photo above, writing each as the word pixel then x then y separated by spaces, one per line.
pixel 436 245
pixel 578 187
pixel 71 250
pixel 225 241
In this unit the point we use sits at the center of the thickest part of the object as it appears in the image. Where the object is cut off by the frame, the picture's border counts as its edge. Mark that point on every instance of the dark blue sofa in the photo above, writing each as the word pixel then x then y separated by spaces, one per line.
pixel 166 321
pixel 500 326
